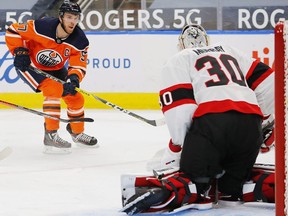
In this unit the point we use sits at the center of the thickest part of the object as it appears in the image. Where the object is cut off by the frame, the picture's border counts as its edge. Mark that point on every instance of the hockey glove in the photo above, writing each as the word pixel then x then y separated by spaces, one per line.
pixel 166 158
pixel 268 136
pixel 21 58
pixel 72 82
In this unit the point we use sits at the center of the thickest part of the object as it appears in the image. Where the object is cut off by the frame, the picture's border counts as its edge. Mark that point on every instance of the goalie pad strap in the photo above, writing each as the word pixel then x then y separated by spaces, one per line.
pixel 187 190
pixel 258 194
pixel 174 202
pixel 179 186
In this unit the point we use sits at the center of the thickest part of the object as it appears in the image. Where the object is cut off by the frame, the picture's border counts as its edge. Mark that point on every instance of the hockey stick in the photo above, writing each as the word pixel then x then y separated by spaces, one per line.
pixel 270 167
pixel 158 122
pixel 46 115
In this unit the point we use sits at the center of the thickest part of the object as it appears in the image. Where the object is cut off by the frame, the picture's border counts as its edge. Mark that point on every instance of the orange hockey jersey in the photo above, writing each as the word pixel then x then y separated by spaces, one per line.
pixel 39 36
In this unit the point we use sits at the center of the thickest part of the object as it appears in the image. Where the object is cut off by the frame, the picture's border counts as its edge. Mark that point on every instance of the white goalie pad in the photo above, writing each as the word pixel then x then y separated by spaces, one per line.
pixel 129 182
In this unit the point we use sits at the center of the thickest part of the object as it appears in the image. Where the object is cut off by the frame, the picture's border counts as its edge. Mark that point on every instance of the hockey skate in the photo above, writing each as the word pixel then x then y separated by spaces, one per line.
pixel 53 143
pixel 82 139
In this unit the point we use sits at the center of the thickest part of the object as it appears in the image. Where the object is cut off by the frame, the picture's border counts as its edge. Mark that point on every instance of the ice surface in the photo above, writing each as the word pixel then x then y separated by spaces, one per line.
pixel 87 181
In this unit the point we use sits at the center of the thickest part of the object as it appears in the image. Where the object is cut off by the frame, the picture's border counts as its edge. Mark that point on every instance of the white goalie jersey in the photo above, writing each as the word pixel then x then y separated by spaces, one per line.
pixel 213 79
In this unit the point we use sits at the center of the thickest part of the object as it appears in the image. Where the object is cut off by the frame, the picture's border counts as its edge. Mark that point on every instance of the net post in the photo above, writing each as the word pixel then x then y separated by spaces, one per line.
pixel 279 119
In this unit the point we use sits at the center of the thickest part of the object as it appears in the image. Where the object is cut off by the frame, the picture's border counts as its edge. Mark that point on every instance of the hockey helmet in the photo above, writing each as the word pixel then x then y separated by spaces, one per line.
pixel 192 36
pixel 69 7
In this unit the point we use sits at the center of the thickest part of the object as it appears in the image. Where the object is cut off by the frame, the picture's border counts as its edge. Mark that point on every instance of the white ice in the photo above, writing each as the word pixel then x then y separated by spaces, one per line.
pixel 87 181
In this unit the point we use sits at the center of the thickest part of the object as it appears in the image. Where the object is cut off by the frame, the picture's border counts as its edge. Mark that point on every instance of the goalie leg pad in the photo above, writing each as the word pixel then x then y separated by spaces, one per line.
pixel 142 202
pixel 173 191
pixel 131 182
pixel 262 187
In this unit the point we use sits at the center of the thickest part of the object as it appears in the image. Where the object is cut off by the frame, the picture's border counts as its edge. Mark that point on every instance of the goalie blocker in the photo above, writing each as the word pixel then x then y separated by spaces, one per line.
pixel 173 192
pixel 268 134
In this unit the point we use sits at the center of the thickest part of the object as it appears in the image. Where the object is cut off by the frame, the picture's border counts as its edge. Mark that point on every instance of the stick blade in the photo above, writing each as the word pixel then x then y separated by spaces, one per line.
pixel 81 120
pixel 160 122
pixel 157 122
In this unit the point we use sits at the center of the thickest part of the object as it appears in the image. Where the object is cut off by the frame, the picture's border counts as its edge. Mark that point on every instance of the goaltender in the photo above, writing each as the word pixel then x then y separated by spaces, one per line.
pixel 214 99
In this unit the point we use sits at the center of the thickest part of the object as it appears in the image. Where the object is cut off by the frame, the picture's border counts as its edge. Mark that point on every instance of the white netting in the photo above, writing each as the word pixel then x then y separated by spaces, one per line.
pixel 285 37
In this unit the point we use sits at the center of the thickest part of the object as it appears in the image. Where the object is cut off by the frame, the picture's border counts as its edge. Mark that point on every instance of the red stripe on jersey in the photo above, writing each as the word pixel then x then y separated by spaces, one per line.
pixel 261 78
pixel 177 103
pixel 176 95
pixel 178 86
pixel 227 105
pixel 252 68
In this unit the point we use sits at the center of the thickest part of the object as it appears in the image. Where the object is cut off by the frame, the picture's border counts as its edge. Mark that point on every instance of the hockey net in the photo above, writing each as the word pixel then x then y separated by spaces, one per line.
pixel 281 117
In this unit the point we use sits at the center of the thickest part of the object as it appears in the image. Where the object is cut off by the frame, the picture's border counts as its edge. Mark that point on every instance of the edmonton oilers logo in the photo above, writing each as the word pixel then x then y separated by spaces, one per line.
pixel 48 58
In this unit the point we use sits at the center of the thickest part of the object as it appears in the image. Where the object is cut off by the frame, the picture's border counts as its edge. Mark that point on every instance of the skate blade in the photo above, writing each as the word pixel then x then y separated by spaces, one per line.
pixel 87 146
pixel 55 150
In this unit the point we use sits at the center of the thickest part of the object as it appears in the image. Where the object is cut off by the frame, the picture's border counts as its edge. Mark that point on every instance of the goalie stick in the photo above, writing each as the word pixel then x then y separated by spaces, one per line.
pixel 158 122
pixel 44 114
pixel 268 167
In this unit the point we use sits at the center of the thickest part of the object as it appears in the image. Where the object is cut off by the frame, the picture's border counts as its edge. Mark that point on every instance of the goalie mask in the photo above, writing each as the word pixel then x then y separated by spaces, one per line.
pixel 192 36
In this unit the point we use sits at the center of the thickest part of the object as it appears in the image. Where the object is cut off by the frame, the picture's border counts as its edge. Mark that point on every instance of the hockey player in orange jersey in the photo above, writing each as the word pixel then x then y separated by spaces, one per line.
pixel 47 44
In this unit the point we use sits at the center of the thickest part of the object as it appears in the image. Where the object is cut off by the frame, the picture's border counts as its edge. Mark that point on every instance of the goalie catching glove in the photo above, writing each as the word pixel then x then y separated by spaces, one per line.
pixel 166 158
